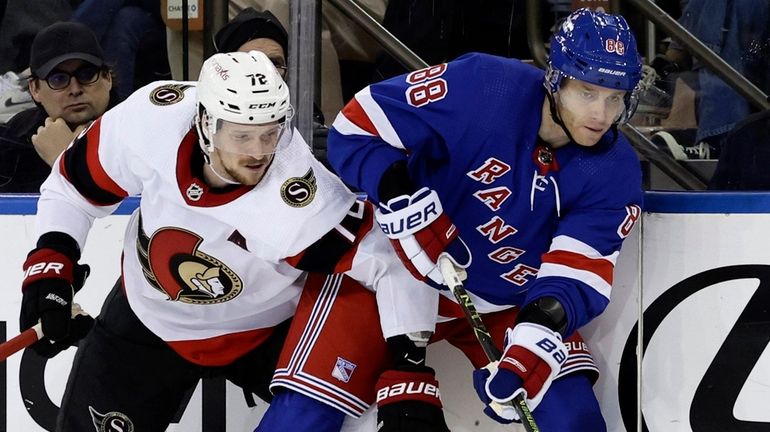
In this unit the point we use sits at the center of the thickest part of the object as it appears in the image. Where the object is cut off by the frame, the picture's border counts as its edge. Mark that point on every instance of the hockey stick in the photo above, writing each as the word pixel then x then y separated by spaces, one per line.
pixel 21 341
pixel 29 336
pixel 452 279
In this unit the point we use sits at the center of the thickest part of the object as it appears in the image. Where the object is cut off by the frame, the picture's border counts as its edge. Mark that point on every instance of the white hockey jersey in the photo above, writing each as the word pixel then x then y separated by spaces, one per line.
pixel 211 271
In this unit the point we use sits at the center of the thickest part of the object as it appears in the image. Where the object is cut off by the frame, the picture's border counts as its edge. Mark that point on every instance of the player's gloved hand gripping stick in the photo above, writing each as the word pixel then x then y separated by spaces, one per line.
pixel 33 334
pixel 413 219
pixel 52 276
pixel 420 231
pixel 454 281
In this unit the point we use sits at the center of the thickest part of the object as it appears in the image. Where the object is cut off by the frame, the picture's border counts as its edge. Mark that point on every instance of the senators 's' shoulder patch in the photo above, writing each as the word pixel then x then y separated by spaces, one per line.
pixel 299 191
pixel 168 94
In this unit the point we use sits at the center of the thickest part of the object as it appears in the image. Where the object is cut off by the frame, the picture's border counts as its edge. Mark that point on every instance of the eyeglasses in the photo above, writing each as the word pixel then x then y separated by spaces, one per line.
pixel 280 66
pixel 59 80
pixel 282 70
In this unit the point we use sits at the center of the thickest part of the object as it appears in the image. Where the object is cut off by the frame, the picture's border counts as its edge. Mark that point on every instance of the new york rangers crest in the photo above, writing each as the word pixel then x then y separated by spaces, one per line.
pixel 343 369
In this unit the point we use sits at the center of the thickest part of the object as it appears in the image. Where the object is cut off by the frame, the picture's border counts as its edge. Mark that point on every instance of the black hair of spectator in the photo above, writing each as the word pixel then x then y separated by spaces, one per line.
pixel 247 25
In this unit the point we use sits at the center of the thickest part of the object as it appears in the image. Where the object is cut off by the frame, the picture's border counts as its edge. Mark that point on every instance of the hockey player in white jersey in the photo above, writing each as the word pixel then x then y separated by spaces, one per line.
pixel 237 229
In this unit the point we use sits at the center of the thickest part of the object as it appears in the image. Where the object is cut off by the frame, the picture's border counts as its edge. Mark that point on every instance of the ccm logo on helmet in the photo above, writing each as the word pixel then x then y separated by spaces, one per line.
pixel 411 388
pixel 262 105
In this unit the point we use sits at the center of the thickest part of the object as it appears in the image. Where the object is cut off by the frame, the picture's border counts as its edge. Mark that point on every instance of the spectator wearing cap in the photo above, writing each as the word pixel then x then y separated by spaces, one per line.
pixel 71 86
pixel 340 39
pixel 252 30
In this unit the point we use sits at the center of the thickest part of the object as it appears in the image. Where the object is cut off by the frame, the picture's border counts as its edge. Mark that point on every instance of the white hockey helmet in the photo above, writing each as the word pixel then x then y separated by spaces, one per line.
pixel 242 88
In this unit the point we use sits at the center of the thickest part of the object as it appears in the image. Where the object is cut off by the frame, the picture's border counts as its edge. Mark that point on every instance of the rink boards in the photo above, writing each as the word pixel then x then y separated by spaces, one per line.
pixel 690 285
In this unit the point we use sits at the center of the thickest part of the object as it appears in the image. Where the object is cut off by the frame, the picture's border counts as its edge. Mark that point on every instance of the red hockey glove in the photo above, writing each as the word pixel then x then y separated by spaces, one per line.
pixel 409 401
pixel 51 278
pixel 533 357
pixel 420 231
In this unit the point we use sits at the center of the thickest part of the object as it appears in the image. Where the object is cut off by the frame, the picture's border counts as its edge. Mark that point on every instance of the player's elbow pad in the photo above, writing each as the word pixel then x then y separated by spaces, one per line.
pixel 546 311
pixel 395 181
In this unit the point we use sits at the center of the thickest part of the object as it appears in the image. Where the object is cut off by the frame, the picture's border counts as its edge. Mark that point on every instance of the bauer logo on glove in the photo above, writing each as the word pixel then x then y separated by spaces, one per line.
pixel 44 267
pixel 405 215
pixel 420 232
pixel 533 357
pixel 52 276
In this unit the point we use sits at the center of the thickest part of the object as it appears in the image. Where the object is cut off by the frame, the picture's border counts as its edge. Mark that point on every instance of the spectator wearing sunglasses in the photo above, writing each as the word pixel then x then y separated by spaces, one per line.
pixel 71 86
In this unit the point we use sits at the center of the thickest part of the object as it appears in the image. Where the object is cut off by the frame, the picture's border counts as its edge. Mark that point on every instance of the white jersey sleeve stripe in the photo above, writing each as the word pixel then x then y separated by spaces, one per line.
pixel 344 126
pixel 378 118
pixel 570 244
pixel 591 279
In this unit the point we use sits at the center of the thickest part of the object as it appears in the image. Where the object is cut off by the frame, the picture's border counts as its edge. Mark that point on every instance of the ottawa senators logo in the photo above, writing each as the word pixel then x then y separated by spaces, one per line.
pixel 113 421
pixel 168 94
pixel 299 191
pixel 173 264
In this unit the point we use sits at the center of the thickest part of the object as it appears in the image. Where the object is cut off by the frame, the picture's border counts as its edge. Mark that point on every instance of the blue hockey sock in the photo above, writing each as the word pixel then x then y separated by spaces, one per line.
pixel 292 411
pixel 570 406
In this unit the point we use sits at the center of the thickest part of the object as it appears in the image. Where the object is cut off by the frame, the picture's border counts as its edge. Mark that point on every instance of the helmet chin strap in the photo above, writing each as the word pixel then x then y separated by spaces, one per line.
pixel 213 170
pixel 207 146
pixel 555 116
pixel 557 119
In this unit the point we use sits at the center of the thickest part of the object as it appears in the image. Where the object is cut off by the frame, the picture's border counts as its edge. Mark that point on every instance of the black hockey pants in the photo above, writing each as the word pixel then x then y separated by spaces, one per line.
pixel 124 375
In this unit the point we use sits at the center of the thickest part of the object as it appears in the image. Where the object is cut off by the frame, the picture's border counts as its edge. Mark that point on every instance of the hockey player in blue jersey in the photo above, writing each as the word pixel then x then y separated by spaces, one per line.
pixel 522 178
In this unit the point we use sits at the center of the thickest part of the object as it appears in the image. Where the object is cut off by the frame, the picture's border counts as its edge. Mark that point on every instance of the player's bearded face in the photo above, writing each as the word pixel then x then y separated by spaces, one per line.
pixel 244 152
pixel 588 110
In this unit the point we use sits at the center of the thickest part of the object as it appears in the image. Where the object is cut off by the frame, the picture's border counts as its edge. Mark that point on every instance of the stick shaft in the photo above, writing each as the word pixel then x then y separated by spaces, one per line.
pixel 482 334
pixel 20 341
pixel 29 336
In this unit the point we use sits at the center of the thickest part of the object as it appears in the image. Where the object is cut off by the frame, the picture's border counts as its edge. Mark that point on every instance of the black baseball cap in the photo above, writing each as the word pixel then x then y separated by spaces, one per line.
pixel 60 42
pixel 247 25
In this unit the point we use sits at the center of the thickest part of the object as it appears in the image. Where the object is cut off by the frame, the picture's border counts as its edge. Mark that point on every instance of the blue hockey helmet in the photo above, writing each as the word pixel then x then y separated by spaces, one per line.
pixel 597 48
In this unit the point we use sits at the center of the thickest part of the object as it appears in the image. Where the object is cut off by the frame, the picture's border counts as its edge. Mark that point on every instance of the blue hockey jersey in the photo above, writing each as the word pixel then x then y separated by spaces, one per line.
pixel 539 221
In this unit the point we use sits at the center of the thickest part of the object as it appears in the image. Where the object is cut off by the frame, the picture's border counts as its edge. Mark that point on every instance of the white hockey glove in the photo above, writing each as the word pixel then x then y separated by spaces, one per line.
pixel 533 357
pixel 420 232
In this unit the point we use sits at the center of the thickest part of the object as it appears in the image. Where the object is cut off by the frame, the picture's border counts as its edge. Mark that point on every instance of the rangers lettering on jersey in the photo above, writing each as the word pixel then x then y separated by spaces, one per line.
pixel 492 169
pixel 494 197
pixel 496 230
